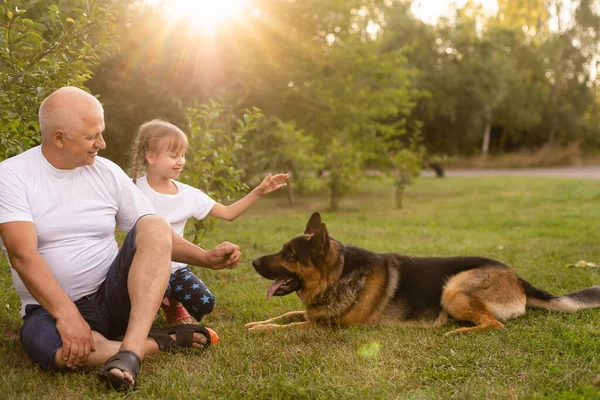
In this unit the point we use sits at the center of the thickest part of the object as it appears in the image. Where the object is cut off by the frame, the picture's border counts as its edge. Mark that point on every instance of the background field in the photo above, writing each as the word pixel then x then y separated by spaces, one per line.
pixel 538 226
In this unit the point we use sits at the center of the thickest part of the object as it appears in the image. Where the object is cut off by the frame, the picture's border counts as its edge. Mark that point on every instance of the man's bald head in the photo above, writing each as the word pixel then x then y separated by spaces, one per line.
pixel 66 109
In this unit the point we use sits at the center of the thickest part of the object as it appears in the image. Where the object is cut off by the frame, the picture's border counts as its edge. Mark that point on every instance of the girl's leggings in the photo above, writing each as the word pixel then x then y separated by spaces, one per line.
pixel 191 292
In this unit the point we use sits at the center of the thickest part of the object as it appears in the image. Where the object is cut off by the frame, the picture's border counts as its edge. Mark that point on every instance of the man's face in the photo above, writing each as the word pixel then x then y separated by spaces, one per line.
pixel 81 147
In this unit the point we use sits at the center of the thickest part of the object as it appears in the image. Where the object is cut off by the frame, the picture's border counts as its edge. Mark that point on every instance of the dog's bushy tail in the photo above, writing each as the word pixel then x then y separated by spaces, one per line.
pixel 580 300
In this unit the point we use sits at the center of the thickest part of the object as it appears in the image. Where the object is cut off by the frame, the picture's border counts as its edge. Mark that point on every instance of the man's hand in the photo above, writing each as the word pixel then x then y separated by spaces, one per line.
pixel 20 239
pixel 77 339
pixel 224 255
pixel 272 183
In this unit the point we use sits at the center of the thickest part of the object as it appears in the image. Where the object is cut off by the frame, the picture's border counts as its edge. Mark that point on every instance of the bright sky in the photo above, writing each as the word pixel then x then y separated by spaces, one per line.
pixel 430 10
pixel 208 15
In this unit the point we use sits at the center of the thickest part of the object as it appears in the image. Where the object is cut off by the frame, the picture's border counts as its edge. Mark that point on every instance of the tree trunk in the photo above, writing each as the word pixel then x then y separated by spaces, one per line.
pixel 485 147
pixel 557 80
pixel 290 194
pixel 555 110
pixel 400 192
pixel 334 200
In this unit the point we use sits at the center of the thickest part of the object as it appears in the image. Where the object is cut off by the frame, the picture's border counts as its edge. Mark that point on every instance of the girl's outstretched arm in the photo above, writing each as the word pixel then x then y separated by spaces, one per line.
pixel 224 255
pixel 231 212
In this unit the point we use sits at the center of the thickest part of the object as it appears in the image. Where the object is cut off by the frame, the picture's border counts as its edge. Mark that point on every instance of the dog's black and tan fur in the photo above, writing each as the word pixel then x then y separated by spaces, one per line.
pixel 345 285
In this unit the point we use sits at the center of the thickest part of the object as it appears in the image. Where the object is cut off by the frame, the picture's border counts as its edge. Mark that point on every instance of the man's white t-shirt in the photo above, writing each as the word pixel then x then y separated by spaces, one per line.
pixel 74 213
pixel 178 208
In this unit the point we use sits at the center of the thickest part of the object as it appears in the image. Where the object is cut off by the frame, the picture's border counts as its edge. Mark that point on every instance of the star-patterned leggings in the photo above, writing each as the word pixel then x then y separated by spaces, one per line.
pixel 191 292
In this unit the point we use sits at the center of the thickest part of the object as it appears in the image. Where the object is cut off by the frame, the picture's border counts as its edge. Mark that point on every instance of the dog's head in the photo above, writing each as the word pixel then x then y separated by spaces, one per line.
pixel 305 263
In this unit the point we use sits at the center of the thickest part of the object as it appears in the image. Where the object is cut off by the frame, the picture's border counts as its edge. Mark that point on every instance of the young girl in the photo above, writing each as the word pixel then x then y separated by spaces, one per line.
pixel 159 150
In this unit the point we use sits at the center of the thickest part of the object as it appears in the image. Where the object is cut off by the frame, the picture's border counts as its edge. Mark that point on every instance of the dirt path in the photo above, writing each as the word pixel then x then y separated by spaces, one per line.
pixel 587 172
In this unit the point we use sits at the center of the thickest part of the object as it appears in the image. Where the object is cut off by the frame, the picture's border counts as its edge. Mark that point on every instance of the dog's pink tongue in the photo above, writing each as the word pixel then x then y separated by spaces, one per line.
pixel 273 288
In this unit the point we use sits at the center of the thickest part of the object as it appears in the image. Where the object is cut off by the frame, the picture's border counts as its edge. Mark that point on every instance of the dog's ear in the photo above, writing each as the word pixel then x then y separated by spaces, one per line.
pixel 320 241
pixel 313 224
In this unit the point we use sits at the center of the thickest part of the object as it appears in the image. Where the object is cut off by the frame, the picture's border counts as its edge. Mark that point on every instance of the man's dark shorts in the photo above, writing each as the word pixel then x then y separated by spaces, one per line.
pixel 106 311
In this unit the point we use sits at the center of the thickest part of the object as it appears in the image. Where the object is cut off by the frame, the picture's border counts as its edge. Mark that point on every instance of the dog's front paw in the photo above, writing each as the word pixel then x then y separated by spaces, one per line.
pixel 251 324
pixel 262 327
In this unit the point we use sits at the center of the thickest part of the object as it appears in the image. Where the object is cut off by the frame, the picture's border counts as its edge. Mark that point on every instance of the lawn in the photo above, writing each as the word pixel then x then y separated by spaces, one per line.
pixel 538 226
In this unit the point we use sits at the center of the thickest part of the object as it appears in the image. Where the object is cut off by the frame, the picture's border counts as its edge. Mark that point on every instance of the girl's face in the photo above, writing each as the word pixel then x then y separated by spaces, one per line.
pixel 167 164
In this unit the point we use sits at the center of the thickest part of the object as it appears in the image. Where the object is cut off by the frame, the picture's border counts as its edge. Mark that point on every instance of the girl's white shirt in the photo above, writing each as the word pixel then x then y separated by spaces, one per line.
pixel 177 208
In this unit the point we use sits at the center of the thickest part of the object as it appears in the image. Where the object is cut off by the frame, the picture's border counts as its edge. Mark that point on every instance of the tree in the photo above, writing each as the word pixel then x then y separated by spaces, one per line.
pixel 501 82
pixel 279 146
pixel 212 157
pixel 315 64
pixel 407 162
pixel 563 35
pixel 349 93
pixel 134 83
pixel 42 53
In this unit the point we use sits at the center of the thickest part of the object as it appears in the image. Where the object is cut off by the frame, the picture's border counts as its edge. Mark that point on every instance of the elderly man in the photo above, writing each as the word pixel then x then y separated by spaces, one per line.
pixel 59 206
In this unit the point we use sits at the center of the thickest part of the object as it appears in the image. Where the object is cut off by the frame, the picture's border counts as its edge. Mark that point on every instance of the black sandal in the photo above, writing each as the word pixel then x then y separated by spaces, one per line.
pixel 184 334
pixel 126 361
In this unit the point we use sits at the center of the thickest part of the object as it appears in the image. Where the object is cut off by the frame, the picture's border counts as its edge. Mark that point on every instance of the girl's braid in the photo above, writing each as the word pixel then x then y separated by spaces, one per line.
pixel 137 158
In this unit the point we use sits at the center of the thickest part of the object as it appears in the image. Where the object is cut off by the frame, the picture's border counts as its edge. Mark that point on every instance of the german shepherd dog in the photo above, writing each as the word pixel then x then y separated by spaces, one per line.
pixel 345 285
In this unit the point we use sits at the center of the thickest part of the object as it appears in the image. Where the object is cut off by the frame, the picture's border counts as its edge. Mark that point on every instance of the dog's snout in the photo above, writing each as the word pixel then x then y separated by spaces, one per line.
pixel 256 263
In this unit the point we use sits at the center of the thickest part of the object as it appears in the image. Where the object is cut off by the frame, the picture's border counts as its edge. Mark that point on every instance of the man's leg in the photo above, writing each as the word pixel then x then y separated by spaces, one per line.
pixel 112 311
pixel 134 289
pixel 148 278
pixel 144 266
pixel 105 349
pixel 42 342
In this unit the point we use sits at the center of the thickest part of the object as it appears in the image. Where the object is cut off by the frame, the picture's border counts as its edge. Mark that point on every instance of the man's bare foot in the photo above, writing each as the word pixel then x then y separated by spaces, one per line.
pixel 120 370
pixel 198 342
pixel 123 375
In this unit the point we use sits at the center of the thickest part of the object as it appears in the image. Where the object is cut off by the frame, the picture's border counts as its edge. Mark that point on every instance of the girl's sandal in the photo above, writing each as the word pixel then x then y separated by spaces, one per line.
pixel 176 314
pixel 184 335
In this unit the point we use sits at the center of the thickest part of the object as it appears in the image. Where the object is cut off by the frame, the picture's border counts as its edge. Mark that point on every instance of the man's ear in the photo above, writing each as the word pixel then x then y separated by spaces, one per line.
pixel 58 138
pixel 313 224
pixel 320 241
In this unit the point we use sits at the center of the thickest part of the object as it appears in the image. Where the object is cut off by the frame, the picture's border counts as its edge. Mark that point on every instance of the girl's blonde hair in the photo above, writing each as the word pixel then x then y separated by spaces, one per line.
pixel 157 136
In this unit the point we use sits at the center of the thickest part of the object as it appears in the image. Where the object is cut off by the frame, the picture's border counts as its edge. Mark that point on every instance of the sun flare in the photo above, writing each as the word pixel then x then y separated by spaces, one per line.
pixel 207 15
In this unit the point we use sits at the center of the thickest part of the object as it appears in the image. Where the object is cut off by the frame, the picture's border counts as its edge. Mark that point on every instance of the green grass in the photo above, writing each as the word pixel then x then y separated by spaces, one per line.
pixel 538 226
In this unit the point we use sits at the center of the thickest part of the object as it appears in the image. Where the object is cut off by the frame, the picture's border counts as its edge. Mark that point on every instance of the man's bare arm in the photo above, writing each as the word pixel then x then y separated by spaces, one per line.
pixel 20 239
